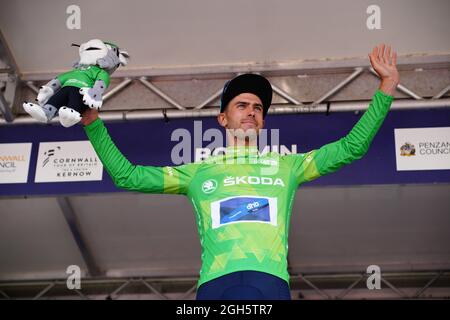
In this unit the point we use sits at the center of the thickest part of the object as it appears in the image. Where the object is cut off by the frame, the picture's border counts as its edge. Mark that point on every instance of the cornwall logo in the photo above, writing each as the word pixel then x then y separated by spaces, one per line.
pixel 49 153
pixel 209 186
pixel 407 150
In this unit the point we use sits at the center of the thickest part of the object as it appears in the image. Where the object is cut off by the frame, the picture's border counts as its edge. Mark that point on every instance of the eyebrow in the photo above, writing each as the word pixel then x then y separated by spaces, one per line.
pixel 247 103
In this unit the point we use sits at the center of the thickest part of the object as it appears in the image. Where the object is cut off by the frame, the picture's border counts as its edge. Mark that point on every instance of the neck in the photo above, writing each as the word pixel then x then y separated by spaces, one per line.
pixel 235 142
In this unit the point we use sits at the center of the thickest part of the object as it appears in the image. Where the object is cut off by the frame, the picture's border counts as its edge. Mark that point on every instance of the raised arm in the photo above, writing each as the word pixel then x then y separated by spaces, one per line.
pixel 330 157
pixel 125 175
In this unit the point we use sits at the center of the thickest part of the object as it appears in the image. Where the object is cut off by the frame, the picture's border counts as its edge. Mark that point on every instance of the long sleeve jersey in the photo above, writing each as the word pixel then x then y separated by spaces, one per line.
pixel 242 199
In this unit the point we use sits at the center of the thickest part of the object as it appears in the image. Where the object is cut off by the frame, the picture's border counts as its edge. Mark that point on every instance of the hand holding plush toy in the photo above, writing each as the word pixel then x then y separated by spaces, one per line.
pixel 71 93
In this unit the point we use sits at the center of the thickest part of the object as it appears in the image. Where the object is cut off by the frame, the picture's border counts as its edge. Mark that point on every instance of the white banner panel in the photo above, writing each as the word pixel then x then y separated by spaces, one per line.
pixel 14 162
pixel 67 161
pixel 422 148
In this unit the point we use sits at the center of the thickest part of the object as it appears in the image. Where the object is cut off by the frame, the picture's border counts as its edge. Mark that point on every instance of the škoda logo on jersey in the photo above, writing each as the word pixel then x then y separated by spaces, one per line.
pixel 231 181
pixel 210 185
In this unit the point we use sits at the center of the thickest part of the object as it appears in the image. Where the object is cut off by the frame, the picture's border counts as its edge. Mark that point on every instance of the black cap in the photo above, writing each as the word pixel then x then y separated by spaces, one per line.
pixel 247 83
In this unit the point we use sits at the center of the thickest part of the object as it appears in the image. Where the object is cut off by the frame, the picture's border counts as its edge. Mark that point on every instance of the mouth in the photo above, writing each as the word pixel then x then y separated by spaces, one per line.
pixel 249 122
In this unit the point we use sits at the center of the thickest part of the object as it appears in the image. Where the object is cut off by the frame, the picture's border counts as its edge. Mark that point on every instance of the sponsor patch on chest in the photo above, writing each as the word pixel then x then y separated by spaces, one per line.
pixel 254 180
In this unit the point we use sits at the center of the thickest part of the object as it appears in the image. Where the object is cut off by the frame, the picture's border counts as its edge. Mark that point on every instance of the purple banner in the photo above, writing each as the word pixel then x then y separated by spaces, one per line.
pixel 149 143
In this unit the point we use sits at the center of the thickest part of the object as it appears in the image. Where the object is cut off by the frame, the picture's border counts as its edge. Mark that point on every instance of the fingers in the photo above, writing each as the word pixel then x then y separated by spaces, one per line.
pixel 372 60
pixel 373 54
pixel 387 55
pixel 394 59
pixel 381 52
pixel 375 51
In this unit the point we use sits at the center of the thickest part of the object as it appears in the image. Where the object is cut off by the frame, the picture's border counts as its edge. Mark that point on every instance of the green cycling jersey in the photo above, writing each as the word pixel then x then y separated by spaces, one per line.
pixel 84 76
pixel 242 199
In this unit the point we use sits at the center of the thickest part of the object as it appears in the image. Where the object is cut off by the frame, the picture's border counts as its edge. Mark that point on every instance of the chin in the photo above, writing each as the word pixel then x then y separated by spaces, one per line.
pixel 249 133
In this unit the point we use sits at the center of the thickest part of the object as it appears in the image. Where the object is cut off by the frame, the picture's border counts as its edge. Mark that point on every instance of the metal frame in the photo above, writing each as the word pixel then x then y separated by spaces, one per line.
pixel 279 68
pixel 74 226
pixel 184 288
pixel 9 81
pixel 287 109
pixel 5 109
pixel 436 68
pixel 200 111
pixel 395 276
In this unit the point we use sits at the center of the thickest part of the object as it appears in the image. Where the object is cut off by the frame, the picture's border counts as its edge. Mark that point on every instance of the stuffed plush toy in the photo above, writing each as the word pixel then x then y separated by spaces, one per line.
pixel 71 93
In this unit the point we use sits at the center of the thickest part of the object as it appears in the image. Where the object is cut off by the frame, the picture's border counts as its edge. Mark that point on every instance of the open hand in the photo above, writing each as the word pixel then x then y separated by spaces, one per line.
pixel 384 62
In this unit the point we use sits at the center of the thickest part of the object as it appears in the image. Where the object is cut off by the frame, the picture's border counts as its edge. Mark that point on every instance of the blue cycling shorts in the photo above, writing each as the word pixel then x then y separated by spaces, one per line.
pixel 245 285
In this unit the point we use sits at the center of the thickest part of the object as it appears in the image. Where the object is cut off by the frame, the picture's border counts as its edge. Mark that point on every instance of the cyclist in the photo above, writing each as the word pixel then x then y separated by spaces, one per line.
pixel 242 208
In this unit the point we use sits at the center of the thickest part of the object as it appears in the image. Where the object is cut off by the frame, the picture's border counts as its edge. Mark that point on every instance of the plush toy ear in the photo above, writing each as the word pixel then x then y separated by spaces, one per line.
pixel 123 57
pixel 76 64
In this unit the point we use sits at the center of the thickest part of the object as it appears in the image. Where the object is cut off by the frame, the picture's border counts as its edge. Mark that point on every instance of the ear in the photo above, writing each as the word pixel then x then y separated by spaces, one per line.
pixel 222 119
pixel 123 57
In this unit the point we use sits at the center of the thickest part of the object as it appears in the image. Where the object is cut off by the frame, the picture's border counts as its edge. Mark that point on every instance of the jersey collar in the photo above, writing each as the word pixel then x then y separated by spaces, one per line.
pixel 241 151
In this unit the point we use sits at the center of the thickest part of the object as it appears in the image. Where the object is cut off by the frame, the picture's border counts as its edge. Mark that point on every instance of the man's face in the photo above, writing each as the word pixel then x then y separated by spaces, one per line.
pixel 244 112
